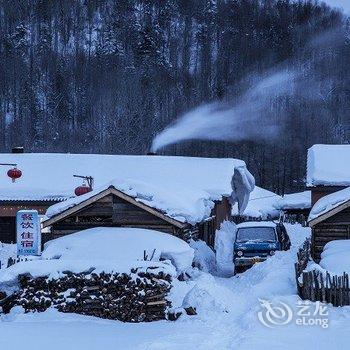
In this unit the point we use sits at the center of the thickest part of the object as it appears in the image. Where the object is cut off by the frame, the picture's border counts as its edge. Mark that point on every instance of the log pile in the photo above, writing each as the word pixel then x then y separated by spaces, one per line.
pixel 136 297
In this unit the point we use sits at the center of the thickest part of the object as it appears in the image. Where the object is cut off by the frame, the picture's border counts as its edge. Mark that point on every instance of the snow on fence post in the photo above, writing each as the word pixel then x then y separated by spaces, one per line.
pixel 315 286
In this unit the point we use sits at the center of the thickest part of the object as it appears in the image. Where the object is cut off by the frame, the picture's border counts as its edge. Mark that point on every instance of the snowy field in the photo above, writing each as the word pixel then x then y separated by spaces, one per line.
pixel 227 318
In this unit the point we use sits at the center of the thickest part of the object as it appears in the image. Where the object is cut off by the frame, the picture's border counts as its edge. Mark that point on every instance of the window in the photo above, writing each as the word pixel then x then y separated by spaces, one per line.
pixel 258 234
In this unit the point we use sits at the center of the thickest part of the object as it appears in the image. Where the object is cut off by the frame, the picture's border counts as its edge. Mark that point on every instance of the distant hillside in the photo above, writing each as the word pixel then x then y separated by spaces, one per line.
pixel 106 76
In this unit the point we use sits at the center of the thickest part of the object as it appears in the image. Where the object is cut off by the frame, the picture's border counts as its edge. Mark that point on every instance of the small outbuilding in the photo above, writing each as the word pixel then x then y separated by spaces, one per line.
pixel 295 207
pixel 262 205
pixel 330 220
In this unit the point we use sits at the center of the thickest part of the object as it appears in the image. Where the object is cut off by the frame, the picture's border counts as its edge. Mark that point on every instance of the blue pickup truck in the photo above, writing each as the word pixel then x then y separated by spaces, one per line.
pixel 256 241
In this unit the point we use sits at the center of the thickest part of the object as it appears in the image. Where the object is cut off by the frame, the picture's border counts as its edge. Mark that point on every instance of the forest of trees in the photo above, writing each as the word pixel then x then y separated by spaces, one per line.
pixel 105 76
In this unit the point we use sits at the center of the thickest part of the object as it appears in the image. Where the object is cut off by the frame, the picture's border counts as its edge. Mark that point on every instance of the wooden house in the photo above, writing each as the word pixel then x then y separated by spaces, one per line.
pixel 328 178
pixel 111 207
pixel 173 194
pixel 295 207
pixel 329 220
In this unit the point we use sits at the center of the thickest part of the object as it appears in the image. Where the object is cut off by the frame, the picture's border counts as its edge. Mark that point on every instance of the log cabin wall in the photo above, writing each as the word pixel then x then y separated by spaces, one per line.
pixel 7 229
pixel 8 211
pixel 334 228
pixel 321 191
pixel 110 211
pixel 222 211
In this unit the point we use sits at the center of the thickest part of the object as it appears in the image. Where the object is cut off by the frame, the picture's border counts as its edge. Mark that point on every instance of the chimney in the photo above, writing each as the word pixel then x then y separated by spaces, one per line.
pixel 17 149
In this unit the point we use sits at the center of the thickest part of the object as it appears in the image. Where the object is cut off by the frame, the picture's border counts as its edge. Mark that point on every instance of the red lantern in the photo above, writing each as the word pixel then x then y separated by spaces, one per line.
pixel 14 174
pixel 80 190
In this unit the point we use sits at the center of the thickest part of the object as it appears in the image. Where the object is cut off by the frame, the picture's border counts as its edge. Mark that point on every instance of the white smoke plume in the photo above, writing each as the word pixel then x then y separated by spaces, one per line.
pixel 248 119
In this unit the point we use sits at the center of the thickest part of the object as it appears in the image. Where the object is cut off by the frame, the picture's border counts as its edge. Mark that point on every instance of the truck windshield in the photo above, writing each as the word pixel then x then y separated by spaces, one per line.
pixel 260 234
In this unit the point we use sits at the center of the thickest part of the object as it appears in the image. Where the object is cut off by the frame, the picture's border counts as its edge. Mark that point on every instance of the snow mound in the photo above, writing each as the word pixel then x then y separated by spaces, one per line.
pixel 328 165
pixel 107 249
pixel 204 257
pixel 224 241
pixel 335 257
pixel 329 202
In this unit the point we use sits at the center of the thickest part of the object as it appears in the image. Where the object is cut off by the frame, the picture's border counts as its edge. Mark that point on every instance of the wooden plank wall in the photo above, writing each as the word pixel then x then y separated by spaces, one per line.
pixel 222 211
pixel 334 228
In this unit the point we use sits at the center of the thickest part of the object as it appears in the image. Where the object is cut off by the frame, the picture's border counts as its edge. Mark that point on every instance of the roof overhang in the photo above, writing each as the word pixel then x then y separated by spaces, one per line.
pixel 329 213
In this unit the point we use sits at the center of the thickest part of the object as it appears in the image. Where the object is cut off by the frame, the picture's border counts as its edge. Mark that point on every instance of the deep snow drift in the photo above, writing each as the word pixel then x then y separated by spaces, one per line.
pixel 227 317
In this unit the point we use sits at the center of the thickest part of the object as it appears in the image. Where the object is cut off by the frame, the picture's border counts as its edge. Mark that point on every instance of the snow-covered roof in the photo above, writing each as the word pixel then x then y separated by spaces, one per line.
pixel 299 200
pixel 328 203
pixel 328 165
pixel 261 205
pixel 182 187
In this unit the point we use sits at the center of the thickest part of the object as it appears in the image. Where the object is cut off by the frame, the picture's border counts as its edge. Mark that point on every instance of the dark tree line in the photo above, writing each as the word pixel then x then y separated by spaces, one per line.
pixel 105 76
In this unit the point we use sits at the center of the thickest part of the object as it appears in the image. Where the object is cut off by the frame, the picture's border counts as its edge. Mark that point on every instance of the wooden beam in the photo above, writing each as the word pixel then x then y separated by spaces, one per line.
pixel 75 208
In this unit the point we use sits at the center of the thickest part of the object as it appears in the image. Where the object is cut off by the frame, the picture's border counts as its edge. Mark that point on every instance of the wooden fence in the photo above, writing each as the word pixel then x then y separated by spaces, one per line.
pixel 319 286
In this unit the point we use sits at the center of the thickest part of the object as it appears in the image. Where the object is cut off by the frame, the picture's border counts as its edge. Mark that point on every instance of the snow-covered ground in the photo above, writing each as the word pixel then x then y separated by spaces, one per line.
pixel 228 310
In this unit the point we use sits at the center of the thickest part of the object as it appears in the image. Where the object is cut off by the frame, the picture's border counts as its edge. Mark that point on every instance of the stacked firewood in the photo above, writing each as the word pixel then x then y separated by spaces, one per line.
pixel 139 296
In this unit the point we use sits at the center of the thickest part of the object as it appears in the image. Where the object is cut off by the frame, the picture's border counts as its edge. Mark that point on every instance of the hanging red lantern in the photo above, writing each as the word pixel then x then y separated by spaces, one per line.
pixel 83 189
pixel 14 174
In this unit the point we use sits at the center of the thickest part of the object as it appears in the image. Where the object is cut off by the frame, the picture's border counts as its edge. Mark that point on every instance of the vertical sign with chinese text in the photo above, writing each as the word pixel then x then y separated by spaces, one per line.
pixel 28 233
